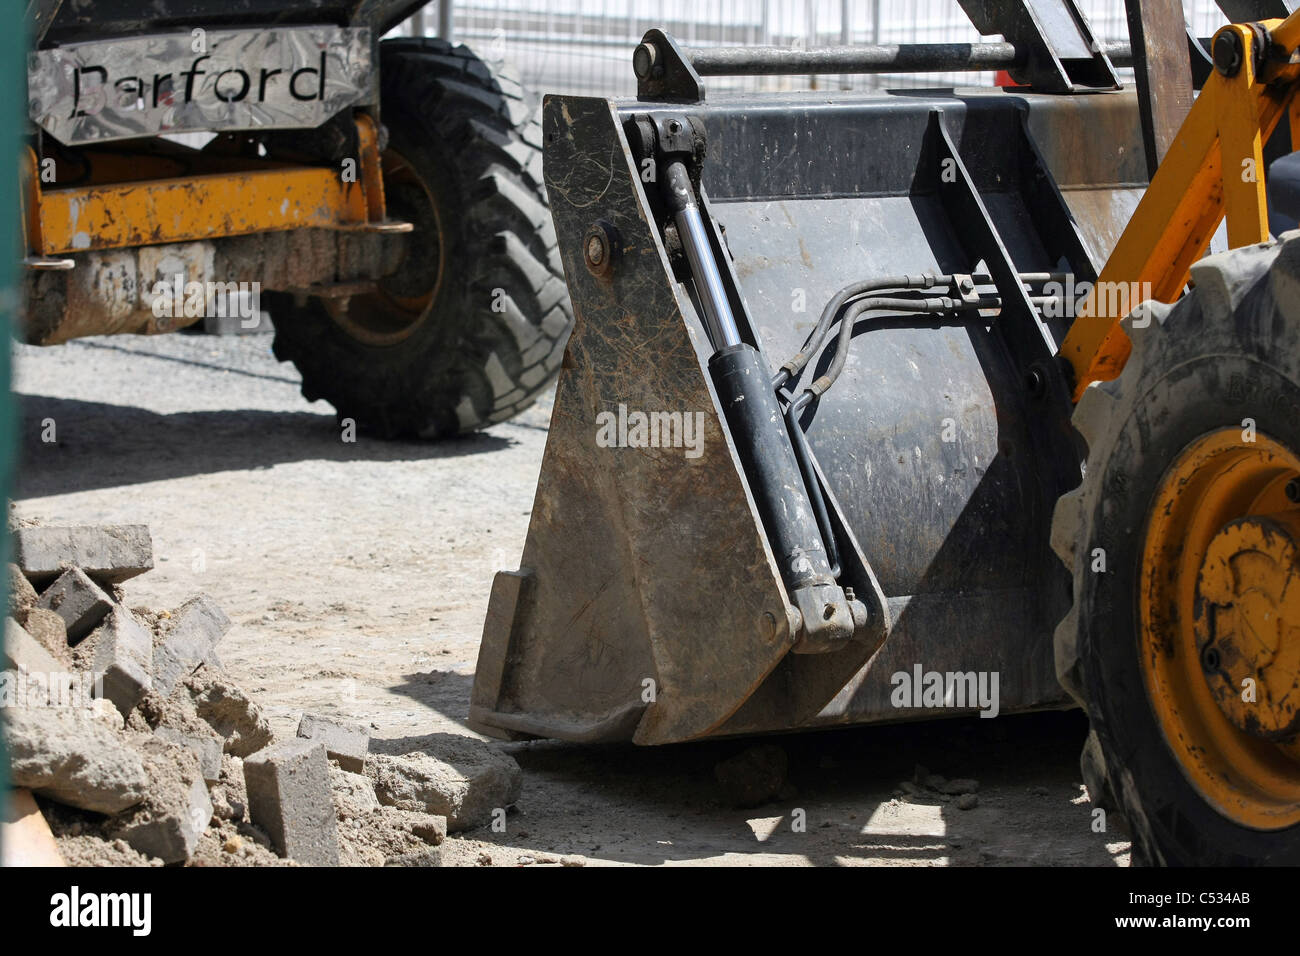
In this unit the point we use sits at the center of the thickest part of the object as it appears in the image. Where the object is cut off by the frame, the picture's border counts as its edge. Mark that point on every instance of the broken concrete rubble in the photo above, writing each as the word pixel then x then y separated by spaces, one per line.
pixel 230 712
pixel 176 719
pixel 146 768
pixel 375 835
pixel 460 778
pixel 167 824
pixel 107 714
pixel 354 793
pixel 64 754
pixel 230 797
pixel 387 836
pixel 103 755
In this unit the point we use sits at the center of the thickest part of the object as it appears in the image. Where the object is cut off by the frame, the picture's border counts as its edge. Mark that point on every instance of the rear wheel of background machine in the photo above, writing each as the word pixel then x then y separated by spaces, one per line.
pixel 1183 643
pixel 473 324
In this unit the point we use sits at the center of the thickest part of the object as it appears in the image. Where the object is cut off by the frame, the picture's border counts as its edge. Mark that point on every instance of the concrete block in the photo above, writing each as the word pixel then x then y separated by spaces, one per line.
pixel 23 652
pixel 207 747
pixel 289 797
pixel 66 755
pixel 78 600
pixel 48 628
pixel 123 657
pixel 21 593
pixel 345 742
pixel 110 554
pixel 176 809
pixel 198 625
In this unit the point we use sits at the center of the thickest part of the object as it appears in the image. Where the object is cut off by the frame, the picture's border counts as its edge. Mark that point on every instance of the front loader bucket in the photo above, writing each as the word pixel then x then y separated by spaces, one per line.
pixel 650 604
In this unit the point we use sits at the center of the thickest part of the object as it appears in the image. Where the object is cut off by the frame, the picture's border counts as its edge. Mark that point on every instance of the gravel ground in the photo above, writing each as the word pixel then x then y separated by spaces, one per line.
pixel 358 573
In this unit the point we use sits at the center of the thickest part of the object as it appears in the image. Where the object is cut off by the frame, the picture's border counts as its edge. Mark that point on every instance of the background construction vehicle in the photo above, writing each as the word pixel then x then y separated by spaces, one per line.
pixel 385 196
pixel 878 312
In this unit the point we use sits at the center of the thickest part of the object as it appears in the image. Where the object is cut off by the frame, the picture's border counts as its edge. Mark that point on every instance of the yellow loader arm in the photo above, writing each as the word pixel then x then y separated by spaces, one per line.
pixel 1215 166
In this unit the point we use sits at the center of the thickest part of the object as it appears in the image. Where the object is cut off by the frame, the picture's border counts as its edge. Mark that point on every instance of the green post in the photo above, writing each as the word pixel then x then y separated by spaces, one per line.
pixel 13 58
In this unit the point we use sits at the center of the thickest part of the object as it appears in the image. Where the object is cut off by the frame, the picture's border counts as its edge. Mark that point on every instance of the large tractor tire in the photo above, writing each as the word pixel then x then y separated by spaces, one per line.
pixel 1183 643
pixel 472 326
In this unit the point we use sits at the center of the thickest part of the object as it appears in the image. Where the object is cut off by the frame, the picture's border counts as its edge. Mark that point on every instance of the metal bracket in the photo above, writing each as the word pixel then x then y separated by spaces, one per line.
pixel 1244 11
pixel 40 14
pixel 1026 336
pixel 1163 75
pixel 48 264
pixel 1201 60
pixel 677 133
pixel 668 134
pixel 663 72
pixel 1063 54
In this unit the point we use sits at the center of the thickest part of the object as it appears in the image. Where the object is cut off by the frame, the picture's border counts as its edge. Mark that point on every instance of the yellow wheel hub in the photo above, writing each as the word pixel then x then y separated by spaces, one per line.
pixel 1246 624
pixel 1220 623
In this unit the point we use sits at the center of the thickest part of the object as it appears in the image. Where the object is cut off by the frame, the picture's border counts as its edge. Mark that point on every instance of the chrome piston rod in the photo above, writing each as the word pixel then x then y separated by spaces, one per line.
pixel 718 317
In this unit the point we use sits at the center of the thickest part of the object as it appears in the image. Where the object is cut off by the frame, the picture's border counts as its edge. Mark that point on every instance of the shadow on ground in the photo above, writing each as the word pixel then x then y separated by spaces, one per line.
pixel 102 445
pixel 843 786
pixel 841 805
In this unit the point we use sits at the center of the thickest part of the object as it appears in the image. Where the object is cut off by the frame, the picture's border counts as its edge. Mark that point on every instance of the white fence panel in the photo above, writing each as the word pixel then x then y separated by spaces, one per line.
pixel 585 46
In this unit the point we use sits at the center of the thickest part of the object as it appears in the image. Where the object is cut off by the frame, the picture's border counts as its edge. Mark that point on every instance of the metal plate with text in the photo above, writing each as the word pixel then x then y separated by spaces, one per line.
pixel 218 80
